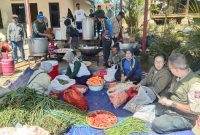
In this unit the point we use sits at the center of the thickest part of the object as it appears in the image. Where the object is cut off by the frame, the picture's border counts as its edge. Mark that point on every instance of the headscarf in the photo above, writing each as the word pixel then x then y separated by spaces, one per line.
pixel 67 22
pixel 130 50
pixel 70 57
pixel 46 66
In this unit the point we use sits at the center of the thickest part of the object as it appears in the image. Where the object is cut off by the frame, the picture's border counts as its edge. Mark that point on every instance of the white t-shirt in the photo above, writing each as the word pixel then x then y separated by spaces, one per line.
pixel 79 15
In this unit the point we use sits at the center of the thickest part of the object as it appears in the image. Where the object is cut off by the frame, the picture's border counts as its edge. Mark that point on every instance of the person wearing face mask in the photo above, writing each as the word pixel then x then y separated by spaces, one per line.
pixel 130 68
pixel 76 69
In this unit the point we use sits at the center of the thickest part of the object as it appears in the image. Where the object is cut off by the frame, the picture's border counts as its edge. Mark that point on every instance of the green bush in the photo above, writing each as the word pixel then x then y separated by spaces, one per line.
pixel 165 42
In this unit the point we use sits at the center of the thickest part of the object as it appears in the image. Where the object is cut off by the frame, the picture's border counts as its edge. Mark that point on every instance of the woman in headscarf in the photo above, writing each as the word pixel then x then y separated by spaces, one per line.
pixel 76 70
pixel 130 68
pixel 41 74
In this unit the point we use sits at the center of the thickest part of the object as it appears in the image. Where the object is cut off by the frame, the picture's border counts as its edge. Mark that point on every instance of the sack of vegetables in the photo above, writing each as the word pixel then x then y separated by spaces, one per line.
pixel 74 97
pixel 59 84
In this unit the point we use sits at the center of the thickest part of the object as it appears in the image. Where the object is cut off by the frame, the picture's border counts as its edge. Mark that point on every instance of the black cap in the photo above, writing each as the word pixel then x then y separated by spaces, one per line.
pixel 121 14
pixel 116 45
pixel 100 14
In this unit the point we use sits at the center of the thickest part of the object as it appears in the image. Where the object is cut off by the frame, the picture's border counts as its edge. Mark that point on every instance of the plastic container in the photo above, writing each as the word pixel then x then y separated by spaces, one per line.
pixel 95 88
pixel 54 71
pixel 8 67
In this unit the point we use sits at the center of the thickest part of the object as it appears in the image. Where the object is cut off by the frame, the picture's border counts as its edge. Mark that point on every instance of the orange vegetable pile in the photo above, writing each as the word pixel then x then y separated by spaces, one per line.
pixel 101 119
pixel 95 81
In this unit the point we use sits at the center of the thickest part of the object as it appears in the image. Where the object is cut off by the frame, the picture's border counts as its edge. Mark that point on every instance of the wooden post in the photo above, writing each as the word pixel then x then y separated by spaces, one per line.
pixel 28 15
pixel 187 9
pixel 145 26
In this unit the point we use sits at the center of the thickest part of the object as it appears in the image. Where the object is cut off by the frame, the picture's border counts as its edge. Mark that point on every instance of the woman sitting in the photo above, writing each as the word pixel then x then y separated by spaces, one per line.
pixel 76 70
pixel 158 77
pixel 40 80
pixel 155 83
pixel 130 68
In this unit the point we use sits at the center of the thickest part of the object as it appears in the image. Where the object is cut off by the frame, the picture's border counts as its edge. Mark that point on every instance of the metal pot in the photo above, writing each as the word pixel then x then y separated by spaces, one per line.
pixel 90 50
pixel 38 46
pixel 125 46
pixel 88 28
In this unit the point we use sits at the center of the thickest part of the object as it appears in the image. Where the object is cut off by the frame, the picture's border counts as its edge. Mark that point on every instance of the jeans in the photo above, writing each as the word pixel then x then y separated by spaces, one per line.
pixel 169 123
pixel 106 48
pixel 79 27
pixel 19 45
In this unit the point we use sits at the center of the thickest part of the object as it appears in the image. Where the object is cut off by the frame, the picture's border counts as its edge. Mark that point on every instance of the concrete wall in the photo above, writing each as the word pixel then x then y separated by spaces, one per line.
pixel 43 5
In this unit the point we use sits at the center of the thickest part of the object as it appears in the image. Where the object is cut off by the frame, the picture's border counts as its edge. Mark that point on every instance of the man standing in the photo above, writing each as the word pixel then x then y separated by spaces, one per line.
pixel 79 15
pixel 116 25
pixel 15 35
pixel 106 35
pixel 39 28
pixel 183 104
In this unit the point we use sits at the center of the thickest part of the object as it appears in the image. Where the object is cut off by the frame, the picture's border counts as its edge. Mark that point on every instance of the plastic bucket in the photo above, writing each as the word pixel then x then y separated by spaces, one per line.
pixel 54 71
pixel 8 67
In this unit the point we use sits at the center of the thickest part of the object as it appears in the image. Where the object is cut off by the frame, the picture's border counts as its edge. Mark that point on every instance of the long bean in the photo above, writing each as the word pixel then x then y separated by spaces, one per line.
pixel 127 126
pixel 25 106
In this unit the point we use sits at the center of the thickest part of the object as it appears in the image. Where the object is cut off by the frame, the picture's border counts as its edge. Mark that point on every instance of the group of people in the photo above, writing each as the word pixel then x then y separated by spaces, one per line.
pixel 108 29
pixel 16 34
pixel 176 87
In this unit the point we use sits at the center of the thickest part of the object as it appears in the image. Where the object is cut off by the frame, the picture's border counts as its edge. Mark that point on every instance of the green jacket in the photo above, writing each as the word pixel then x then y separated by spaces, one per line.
pixel 158 80
pixel 179 93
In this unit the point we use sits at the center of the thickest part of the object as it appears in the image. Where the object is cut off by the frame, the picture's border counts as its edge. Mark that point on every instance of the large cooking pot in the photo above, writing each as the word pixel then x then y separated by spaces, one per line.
pixel 88 28
pixel 90 50
pixel 125 46
pixel 38 46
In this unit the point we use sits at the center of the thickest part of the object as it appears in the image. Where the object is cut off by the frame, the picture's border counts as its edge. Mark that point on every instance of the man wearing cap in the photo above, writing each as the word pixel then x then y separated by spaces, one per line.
pixel 15 35
pixel 39 28
pixel 116 25
pixel 45 19
pixel 79 15
pixel 106 35
pixel 183 103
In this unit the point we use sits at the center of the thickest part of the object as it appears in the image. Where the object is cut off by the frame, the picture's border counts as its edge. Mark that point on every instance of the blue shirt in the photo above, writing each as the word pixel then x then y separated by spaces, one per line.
pixel 127 66
pixel 108 26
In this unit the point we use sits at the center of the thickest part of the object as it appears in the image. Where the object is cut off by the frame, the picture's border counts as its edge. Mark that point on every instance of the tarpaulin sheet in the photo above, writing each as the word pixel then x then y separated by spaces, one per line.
pixel 100 101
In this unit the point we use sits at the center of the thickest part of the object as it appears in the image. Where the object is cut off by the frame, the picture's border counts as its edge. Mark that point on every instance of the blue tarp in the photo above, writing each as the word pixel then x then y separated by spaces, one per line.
pixel 100 101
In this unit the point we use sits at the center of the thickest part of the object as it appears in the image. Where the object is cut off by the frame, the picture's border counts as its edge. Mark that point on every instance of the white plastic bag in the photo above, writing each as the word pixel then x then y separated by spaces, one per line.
pixel 56 87
pixel 146 113
pixel 145 96
pixel 110 74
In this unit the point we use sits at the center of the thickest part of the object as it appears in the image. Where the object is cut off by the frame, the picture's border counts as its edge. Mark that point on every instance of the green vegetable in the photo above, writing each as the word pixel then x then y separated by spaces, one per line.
pixel 25 106
pixel 127 126
pixel 63 82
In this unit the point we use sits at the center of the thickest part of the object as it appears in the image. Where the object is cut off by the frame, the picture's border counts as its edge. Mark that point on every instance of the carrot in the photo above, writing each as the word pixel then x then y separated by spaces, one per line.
pixel 95 81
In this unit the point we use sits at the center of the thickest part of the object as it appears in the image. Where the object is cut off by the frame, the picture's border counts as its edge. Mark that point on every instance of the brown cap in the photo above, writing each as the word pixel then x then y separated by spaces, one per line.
pixel 14 16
